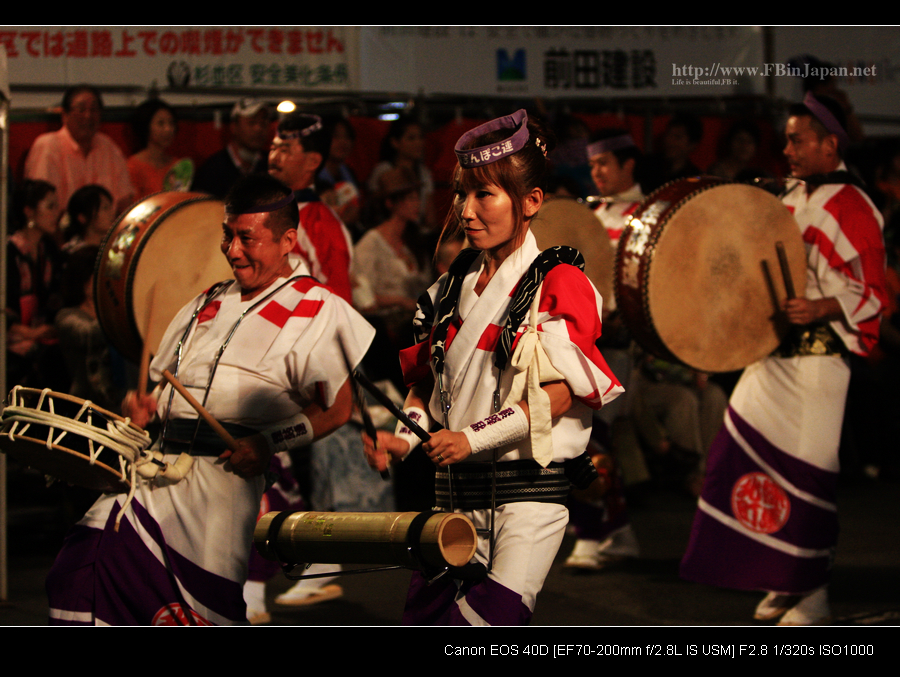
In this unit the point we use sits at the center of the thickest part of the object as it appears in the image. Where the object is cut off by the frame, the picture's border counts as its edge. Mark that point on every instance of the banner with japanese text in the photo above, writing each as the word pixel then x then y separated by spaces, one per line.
pixel 184 57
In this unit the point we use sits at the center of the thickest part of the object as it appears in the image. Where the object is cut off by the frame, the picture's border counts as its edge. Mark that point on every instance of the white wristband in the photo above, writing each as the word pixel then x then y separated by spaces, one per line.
pixel 421 417
pixel 505 427
pixel 290 434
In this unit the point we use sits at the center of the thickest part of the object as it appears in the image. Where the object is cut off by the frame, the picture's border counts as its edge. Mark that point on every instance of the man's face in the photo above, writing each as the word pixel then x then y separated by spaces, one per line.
pixel 806 153
pixel 83 118
pixel 251 133
pixel 256 255
pixel 292 165
pixel 611 177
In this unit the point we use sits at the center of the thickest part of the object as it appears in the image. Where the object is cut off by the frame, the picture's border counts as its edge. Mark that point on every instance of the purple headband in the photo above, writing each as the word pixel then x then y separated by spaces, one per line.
pixel 516 141
pixel 315 126
pixel 610 144
pixel 263 209
pixel 826 117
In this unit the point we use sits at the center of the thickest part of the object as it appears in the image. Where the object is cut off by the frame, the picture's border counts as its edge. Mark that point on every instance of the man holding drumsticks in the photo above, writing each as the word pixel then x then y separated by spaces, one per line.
pixel 264 353
pixel 767 517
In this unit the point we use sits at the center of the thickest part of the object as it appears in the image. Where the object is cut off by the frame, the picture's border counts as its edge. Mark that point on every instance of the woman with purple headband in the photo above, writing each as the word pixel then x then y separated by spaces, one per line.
pixel 506 370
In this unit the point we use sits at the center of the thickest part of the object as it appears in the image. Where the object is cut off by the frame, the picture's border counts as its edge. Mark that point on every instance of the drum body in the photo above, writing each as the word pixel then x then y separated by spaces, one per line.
pixel 68 458
pixel 562 221
pixel 697 277
pixel 160 254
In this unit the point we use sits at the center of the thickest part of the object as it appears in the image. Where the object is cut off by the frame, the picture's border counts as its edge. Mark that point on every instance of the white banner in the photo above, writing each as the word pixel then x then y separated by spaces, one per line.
pixel 570 61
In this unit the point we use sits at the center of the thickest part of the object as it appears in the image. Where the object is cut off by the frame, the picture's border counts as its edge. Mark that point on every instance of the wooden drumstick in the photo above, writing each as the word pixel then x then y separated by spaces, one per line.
pixel 205 415
pixel 785 270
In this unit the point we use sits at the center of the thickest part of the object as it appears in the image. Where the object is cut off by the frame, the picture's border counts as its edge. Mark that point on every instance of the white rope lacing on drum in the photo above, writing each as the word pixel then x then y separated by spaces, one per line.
pixel 129 443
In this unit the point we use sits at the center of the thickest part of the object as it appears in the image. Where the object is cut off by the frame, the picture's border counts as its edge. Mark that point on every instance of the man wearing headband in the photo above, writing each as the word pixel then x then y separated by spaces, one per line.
pixel 767 518
pixel 613 156
pixel 603 527
pixel 298 151
pixel 266 354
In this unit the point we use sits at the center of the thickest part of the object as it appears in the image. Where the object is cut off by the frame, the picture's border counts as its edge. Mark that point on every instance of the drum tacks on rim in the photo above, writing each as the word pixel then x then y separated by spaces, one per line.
pixel 690 275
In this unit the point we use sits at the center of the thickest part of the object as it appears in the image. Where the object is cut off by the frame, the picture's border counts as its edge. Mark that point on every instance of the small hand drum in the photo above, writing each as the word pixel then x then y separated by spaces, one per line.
pixel 71 439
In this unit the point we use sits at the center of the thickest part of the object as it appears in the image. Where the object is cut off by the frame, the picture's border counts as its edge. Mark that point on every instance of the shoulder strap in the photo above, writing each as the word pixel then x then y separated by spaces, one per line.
pixel 546 261
pixel 448 300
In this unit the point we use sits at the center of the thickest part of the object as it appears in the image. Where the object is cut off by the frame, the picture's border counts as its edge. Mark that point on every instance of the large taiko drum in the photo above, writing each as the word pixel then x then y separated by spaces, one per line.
pixel 563 221
pixel 160 254
pixel 697 275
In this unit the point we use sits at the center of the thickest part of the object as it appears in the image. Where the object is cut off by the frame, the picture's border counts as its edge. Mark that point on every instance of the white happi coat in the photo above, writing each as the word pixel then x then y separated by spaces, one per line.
pixel 568 325
pixel 528 533
pixel 281 354
pixel 783 426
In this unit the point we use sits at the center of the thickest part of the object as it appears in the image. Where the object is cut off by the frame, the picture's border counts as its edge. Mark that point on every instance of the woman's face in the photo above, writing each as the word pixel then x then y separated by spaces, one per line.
pixel 411 145
pixel 162 128
pixel 487 216
pixel 103 219
pixel 46 215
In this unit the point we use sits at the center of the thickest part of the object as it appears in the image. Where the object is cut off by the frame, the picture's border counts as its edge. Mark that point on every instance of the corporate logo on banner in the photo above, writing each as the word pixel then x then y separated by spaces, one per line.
pixel 511 70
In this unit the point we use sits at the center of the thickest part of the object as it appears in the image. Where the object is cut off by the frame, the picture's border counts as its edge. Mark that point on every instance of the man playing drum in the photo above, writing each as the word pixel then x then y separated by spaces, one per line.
pixel 267 355
pixel 767 517
pixel 603 527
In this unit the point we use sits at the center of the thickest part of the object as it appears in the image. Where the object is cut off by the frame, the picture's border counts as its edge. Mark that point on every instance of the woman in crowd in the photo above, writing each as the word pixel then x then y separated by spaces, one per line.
pixel 91 214
pixel 388 259
pixel 153 168
pixel 404 146
pixel 31 292
pixel 459 374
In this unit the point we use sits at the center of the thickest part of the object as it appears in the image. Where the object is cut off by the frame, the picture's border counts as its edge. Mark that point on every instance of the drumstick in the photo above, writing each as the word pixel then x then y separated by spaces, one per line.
pixel 360 401
pixel 205 415
pixel 785 270
pixel 385 401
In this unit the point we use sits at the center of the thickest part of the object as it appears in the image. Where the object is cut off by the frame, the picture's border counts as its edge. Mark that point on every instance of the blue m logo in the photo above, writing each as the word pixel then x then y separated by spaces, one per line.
pixel 511 69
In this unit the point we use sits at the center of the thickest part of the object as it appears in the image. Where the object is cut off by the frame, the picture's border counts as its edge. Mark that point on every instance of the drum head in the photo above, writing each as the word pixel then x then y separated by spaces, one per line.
pixel 161 253
pixel 563 221
pixel 709 298
pixel 181 259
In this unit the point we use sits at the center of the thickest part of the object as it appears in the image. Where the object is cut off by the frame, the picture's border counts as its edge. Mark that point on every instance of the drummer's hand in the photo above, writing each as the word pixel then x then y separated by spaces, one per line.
pixel 251 457
pixel 446 447
pixel 139 407
pixel 807 311
pixel 388 444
